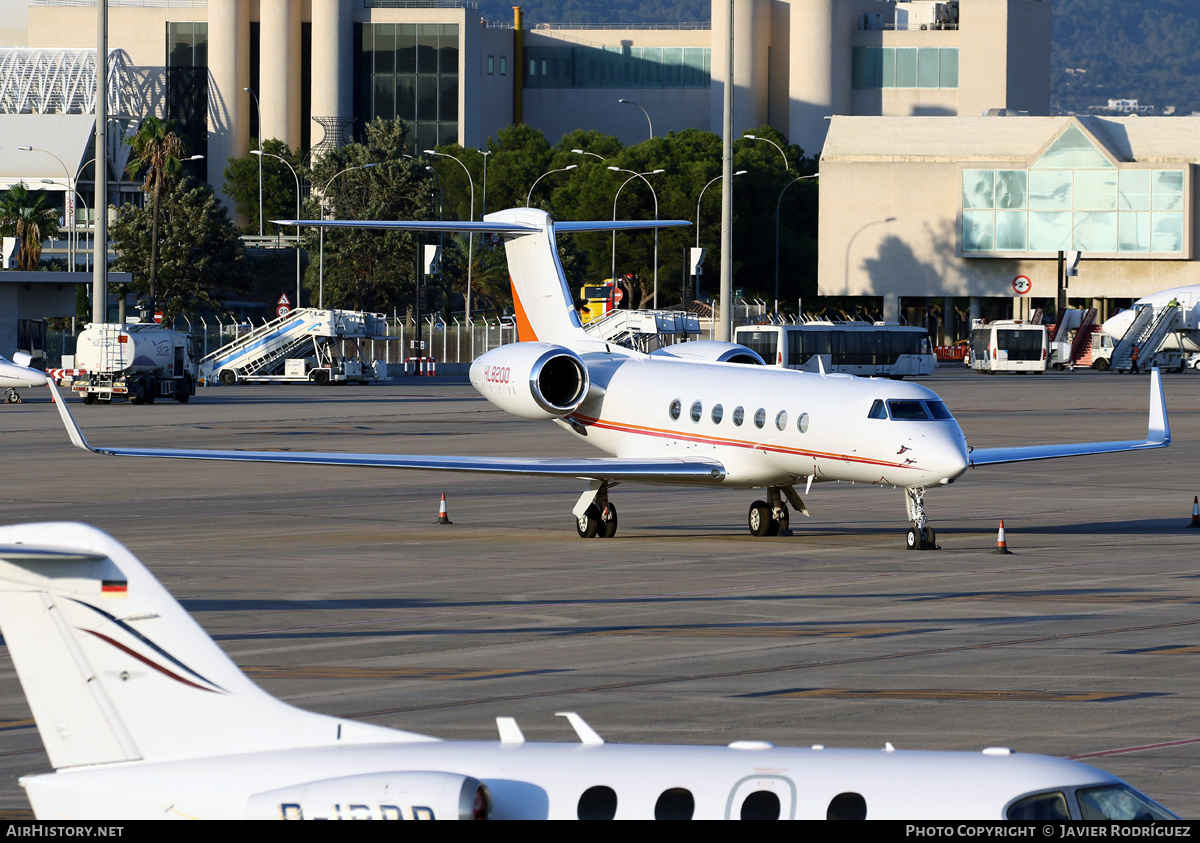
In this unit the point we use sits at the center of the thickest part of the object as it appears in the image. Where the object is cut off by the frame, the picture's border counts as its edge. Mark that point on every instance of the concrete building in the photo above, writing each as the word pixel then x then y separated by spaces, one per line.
pixel 976 207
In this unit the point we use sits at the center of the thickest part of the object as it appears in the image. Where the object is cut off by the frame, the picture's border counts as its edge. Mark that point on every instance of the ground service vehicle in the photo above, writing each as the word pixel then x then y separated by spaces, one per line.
pixel 1008 346
pixel 852 348
pixel 140 361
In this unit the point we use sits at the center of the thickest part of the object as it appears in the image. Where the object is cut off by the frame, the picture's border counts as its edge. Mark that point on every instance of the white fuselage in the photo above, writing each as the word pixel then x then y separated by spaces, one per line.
pixel 549 780
pixel 13 375
pixel 629 415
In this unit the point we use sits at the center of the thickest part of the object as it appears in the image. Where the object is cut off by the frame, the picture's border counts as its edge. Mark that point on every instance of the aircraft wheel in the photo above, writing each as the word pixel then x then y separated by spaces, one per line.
pixel 608 522
pixel 913 539
pixel 759 519
pixel 782 523
pixel 929 539
pixel 589 523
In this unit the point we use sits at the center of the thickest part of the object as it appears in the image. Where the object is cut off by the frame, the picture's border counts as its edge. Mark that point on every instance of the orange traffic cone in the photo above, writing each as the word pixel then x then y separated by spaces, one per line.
pixel 443 517
pixel 1195 512
pixel 1001 545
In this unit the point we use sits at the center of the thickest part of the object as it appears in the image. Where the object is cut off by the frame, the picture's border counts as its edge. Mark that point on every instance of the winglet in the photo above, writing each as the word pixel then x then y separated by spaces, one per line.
pixel 1160 427
pixel 587 735
pixel 68 420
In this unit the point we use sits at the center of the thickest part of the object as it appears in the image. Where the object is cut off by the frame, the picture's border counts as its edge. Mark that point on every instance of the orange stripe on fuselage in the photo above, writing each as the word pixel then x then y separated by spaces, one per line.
pixel 661 433
pixel 525 332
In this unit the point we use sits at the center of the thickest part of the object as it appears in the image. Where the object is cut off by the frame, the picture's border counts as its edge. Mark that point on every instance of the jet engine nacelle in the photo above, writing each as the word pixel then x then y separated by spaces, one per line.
pixel 713 352
pixel 377 796
pixel 534 380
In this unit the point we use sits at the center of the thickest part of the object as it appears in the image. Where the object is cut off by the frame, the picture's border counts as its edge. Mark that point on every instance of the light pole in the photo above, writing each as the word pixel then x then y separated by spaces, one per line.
pixel 633 176
pixel 648 120
pixel 593 154
pixel 777 203
pixel 260 154
pixel 768 140
pixel 258 112
pixel 470 234
pixel 321 258
pixel 701 196
pixel 70 187
pixel 529 195
pixel 485 153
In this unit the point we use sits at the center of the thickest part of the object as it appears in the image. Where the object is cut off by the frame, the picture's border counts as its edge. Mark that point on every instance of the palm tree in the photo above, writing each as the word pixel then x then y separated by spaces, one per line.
pixel 32 220
pixel 156 151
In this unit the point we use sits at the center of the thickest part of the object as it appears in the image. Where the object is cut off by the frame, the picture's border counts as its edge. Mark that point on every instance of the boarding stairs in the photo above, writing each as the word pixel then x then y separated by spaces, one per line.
pixel 1081 347
pixel 641 329
pixel 1150 327
pixel 263 350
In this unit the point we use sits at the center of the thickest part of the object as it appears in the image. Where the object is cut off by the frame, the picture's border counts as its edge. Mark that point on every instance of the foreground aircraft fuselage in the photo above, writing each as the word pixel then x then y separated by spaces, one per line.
pixel 143 716
pixel 698 413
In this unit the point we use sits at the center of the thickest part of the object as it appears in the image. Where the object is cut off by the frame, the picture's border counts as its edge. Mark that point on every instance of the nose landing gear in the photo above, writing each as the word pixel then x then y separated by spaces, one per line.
pixel 920 535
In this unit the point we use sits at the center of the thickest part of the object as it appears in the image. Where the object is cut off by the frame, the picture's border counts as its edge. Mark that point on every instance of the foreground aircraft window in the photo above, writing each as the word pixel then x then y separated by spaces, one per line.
pixel 847 806
pixel 761 805
pixel 760 417
pixel 696 411
pixel 907 411
pixel 717 412
pixel 597 803
pixel 1039 808
pixel 675 804
pixel 938 410
pixel 781 419
pixel 877 410
pixel 1118 802
pixel 738 416
pixel 802 423
pixel 676 409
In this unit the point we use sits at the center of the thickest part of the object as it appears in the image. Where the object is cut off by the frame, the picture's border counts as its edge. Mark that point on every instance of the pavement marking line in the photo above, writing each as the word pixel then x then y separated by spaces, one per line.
pixel 674 680
pixel 317 672
pixel 1168 650
pixel 764 631
pixel 1129 749
pixel 947 694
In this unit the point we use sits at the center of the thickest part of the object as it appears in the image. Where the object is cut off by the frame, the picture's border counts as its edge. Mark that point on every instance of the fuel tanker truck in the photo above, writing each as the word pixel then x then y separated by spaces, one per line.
pixel 140 361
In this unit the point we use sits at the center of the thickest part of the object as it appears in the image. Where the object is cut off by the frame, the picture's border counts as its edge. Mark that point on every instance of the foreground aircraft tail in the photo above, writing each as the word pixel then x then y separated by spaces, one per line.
pixel 1158 435
pixel 545 308
pixel 116 671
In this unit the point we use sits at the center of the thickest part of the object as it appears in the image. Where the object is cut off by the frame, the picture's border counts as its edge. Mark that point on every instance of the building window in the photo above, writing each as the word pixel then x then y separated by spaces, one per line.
pixel 618 67
pixel 874 68
pixel 504 65
pixel 410 70
pixel 187 86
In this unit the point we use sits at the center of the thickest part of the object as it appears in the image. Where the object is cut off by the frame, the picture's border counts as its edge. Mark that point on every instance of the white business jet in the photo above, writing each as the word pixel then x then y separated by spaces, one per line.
pixel 16 374
pixel 143 716
pixel 691 414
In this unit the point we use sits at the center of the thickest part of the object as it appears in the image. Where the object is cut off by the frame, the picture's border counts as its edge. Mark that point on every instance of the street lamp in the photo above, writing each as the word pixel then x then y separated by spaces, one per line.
pixel 485 153
pixel 258 112
pixel 529 195
pixel 70 186
pixel 585 152
pixel 777 202
pixel 470 234
pixel 701 196
pixel 633 176
pixel 321 259
pixel 260 154
pixel 648 120
pixel 768 140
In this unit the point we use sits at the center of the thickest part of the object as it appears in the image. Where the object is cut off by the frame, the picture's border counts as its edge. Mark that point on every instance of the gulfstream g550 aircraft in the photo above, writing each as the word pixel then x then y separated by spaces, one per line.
pixel 692 414
pixel 144 717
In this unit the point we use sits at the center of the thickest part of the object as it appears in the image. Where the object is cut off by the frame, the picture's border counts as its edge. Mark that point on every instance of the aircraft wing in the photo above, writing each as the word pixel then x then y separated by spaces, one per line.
pixel 1157 436
pixel 688 471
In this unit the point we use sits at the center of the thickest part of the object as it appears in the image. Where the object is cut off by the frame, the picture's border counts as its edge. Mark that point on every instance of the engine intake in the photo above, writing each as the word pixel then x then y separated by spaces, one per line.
pixel 534 380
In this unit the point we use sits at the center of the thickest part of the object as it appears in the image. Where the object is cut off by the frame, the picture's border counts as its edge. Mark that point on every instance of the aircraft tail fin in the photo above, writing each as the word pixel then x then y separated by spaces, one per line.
pixel 115 670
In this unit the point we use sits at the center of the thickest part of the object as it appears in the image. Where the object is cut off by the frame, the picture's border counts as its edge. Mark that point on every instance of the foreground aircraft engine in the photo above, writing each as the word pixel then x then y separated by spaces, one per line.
pixel 377 796
pixel 712 351
pixel 534 380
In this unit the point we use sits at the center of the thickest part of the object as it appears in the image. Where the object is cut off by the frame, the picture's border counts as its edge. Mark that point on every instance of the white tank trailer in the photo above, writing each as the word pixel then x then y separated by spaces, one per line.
pixel 138 361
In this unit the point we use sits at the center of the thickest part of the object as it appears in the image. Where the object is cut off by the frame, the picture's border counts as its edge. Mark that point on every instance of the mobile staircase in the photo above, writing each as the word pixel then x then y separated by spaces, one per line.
pixel 643 329
pixel 1150 327
pixel 297 347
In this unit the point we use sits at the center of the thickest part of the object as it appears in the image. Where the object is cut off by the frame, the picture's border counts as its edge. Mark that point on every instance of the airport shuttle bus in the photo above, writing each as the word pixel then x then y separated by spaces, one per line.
pixel 854 348
pixel 1008 346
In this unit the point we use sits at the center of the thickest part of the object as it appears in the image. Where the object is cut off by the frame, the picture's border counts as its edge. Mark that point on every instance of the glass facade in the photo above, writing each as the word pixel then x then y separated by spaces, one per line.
pixel 187 86
pixel 617 67
pixel 1073 197
pixel 904 67
pixel 409 70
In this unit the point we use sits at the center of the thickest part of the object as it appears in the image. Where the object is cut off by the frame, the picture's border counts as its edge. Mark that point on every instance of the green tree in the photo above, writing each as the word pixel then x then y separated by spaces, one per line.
pixel 279 185
pixel 30 217
pixel 201 256
pixel 367 269
pixel 156 153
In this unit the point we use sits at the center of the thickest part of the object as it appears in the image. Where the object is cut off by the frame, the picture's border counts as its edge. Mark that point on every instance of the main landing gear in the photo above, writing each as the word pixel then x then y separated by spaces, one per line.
pixel 920 535
pixel 770 517
pixel 599 516
pixel 13 397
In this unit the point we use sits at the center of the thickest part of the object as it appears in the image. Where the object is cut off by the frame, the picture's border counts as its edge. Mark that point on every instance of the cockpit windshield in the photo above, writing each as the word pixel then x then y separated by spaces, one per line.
pixel 1118 802
pixel 907 410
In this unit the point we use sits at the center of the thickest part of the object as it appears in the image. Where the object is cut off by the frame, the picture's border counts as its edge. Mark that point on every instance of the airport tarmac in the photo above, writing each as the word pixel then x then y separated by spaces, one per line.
pixel 335 588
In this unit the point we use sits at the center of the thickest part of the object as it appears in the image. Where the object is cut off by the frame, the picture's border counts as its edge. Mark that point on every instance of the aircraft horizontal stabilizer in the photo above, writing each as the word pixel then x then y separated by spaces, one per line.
pixel 1157 436
pixel 489 227
pixel 675 471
